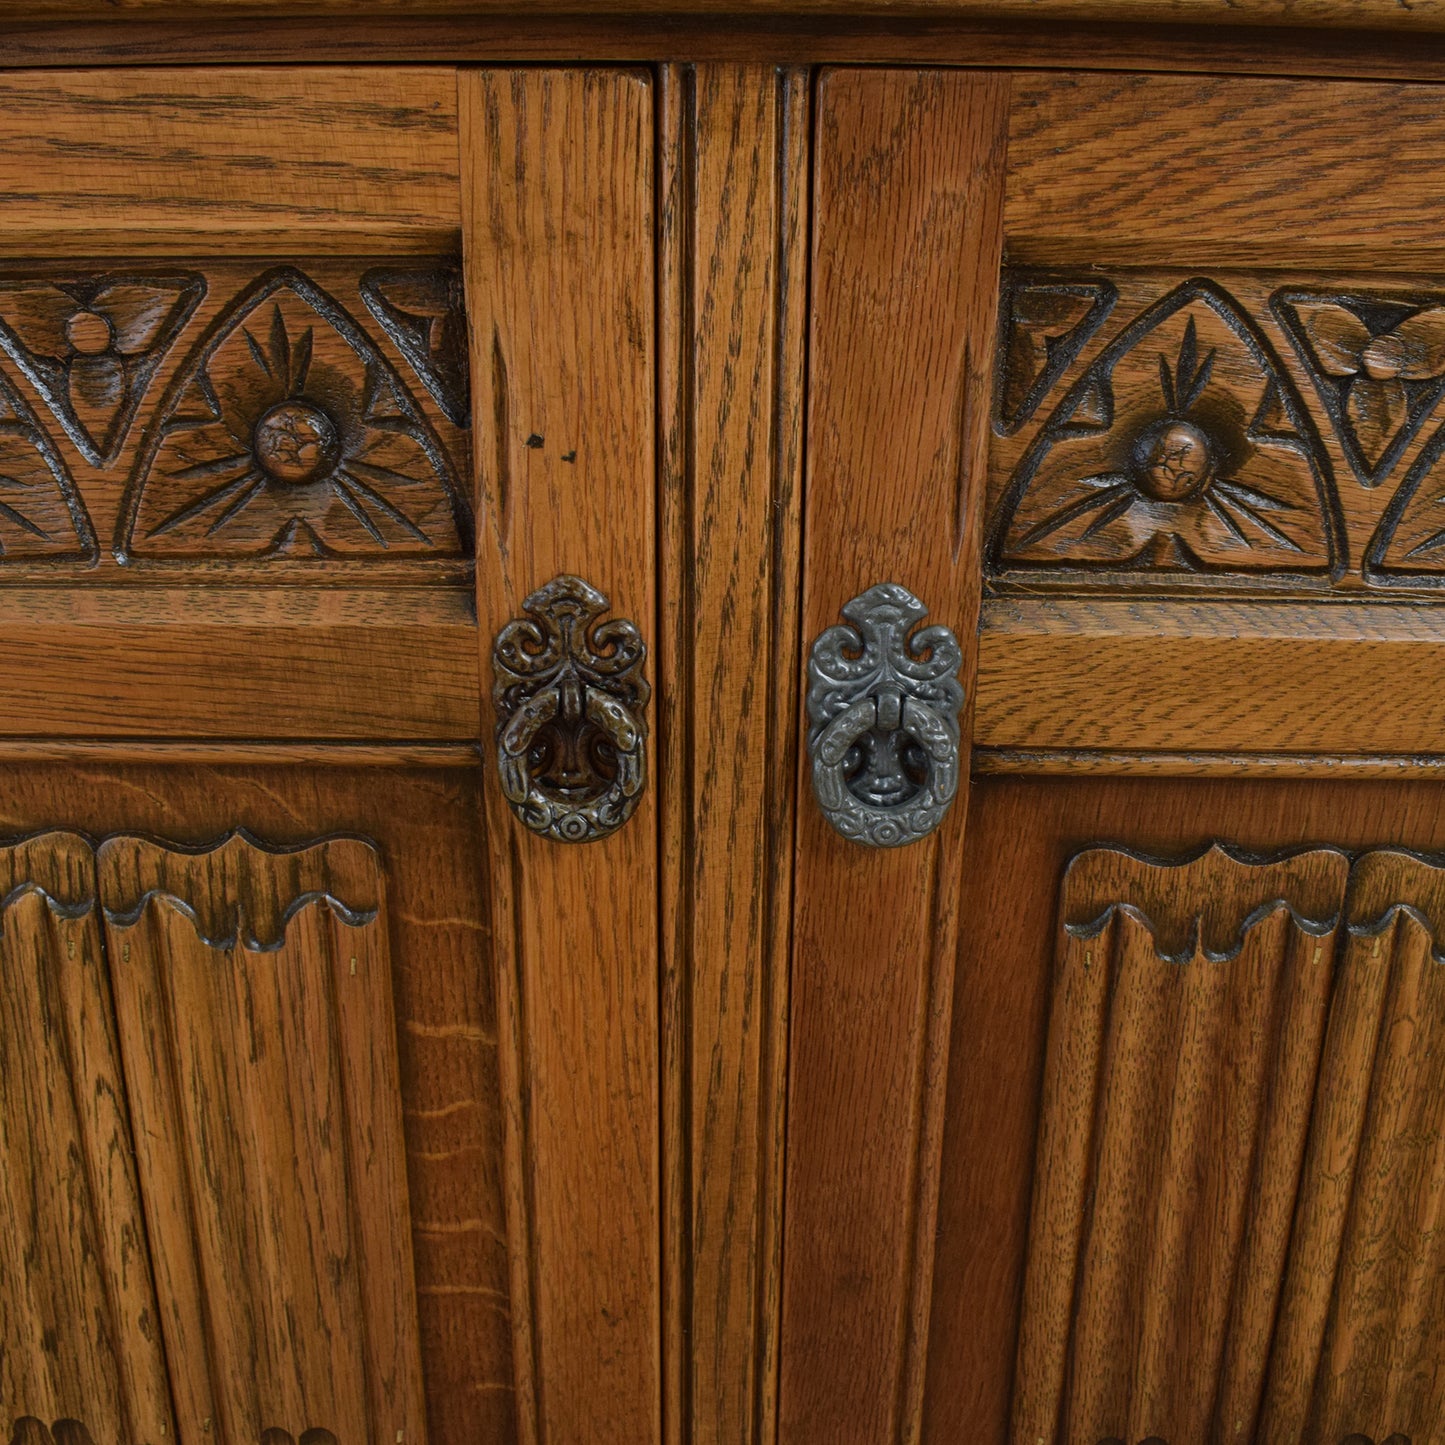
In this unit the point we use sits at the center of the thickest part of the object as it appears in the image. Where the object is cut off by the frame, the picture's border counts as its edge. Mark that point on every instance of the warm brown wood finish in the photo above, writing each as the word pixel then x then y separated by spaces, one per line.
pixel 1423 15
pixel 253 997
pixel 1272 173
pixel 558 238
pixel 248 662
pixel 734 147
pixel 78 1337
pixel 1021 835
pixel 905 250
pixel 1086 673
pixel 310 159
pixel 427 826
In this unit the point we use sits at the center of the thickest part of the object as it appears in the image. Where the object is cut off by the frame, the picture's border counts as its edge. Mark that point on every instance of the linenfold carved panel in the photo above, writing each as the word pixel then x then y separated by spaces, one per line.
pixel 1240 431
pixel 271 417
pixel 1242 1134
pixel 80 1349
pixel 254 999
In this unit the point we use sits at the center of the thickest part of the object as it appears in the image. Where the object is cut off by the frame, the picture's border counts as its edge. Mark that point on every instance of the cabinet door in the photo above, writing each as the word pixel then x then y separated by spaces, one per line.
pixel 1112 1101
pixel 328 1091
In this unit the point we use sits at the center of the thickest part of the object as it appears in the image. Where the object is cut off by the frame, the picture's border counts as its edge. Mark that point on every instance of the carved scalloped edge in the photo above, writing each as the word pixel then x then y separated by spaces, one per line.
pixel 1413 884
pixel 1177 940
pixel 251 942
pixel 164 873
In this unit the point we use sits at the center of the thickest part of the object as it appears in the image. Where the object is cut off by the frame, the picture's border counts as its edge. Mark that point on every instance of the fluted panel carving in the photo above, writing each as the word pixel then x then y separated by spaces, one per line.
pixel 1175 1114
pixel 79 1339
pixel 254 999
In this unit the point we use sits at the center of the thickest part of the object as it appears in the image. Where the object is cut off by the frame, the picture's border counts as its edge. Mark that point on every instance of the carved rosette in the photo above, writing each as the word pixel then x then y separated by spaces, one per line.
pixel 570 699
pixel 884 709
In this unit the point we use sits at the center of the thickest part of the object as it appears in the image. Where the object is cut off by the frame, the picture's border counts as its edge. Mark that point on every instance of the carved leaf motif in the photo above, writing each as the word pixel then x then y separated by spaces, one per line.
pixel 421 310
pixel 1378 364
pixel 41 514
pixel 1183 448
pixel 91 344
pixel 1045 324
pixel 288 433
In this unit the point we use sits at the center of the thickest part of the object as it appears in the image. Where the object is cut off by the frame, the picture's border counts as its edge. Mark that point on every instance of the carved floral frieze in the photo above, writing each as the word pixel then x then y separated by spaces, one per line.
pixel 234 414
pixel 1158 431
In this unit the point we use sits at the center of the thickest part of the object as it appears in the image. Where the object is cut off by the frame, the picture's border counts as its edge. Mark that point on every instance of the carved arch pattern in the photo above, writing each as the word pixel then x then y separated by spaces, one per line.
pixel 1239 1154
pixel 1169 432
pixel 225 415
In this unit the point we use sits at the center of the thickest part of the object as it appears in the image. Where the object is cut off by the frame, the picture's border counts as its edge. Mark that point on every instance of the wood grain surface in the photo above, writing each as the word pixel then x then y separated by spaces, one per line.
pixel 1021 835
pixel 427 826
pixel 1140 675
pixel 559 260
pixel 254 1001
pixel 319 159
pixel 1178 170
pixel 1424 15
pixel 78 1323
pixel 697 37
pixel 905 248
pixel 734 264
pixel 1178 1093
pixel 197 662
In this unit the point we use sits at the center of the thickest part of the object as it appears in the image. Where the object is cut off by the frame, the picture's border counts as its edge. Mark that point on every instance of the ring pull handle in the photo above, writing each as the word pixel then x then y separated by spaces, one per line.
pixel 570 699
pixel 883 708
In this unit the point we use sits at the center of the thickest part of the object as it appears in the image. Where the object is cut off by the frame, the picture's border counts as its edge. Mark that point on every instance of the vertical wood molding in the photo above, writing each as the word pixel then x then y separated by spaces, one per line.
pixel 254 1005
pixel 733 168
pixel 906 250
pixel 1362 1327
pixel 558 243
pixel 1189 1009
pixel 1234 1231
pixel 78 1323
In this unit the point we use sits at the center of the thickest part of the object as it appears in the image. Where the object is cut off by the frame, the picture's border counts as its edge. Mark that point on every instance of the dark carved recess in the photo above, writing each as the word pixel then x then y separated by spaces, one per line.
pixel 420 308
pixel 1183 447
pixel 90 345
pixel 42 517
pixel 1043 325
pixel 287 432
pixel 1378 363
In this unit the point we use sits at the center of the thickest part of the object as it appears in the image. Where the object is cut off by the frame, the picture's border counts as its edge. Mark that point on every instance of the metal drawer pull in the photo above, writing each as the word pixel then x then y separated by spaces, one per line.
pixel 570 695
pixel 884 713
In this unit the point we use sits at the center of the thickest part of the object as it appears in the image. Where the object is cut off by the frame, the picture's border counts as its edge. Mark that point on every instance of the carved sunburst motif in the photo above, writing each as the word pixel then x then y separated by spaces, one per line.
pixel 1182 447
pixel 288 433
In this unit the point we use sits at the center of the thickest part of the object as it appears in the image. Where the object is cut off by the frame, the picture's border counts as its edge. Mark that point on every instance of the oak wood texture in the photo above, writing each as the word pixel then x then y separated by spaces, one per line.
pixel 197 662
pixel 316 158
pixel 1424 15
pixel 791 39
pixel 1271 172
pixel 426 825
pixel 1022 833
pixel 1187 676
pixel 558 241
pixel 254 1005
pixel 79 1337
pixel 794 39
pixel 282 422
pixel 906 237
pixel 1188 1017
pixel 733 148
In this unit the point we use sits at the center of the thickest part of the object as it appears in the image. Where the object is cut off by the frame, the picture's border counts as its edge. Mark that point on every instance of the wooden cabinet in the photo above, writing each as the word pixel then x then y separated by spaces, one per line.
pixel 435 1001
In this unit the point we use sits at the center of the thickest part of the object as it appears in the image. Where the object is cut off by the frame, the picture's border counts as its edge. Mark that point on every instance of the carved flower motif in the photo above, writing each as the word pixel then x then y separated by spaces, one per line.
pixel 1181 455
pixel 293 436
pixel 1379 365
